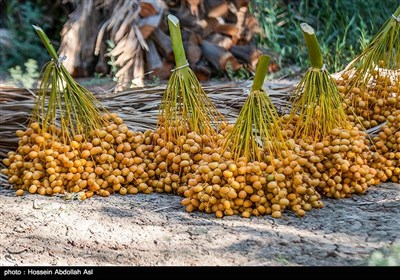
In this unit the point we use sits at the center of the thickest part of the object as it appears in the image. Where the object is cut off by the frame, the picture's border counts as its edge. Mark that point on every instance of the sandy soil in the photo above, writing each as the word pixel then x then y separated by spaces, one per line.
pixel 155 230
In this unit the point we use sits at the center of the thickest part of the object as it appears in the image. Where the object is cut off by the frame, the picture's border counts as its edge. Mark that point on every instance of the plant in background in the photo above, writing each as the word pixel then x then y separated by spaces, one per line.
pixel 347 25
pixel 114 67
pixel 391 258
pixel 16 19
pixel 26 78
pixel 155 81
pixel 240 74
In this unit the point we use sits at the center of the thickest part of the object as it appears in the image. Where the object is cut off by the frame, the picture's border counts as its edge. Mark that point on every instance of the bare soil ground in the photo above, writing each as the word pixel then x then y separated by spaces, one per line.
pixel 155 230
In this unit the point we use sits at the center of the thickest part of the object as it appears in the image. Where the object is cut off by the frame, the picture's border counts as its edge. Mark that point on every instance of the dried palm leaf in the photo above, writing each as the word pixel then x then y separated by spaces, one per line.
pixel 129 43
pixel 78 36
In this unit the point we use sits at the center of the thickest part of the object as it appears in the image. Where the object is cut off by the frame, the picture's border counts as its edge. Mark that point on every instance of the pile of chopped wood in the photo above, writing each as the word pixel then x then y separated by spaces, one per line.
pixel 218 36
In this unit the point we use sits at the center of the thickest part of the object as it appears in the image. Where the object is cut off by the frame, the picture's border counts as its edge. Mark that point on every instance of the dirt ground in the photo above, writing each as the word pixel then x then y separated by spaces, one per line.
pixel 154 230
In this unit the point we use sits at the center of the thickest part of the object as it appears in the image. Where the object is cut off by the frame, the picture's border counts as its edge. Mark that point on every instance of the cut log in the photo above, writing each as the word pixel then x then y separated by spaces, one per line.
pixel 227 29
pixel 147 9
pixel 220 40
pixel 240 3
pixel 218 57
pixel 207 26
pixel 247 54
pixel 146 30
pixel 102 65
pixel 251 28
pixel 216 33
pixel 153 59
pixel 241 18
pixel 192 48
pixel 195 38
pixel 186 33
pixel 201 71
pixel 148 24
pixel 193 53
pixel 252 25
pixel 186 19
pixel 216 8
pixel 163 42
pixel 163 72
pixel 173 3
pixel 273 67
pixel 193 6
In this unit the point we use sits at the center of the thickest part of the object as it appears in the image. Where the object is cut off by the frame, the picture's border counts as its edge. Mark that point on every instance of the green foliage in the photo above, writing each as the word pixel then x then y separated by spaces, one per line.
pixel 392 258
pixel 343 27
pixel 155 81
pixel 27 78
pixel 112 59
pixel 237 75
pixel 16 19
pixel 97 80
